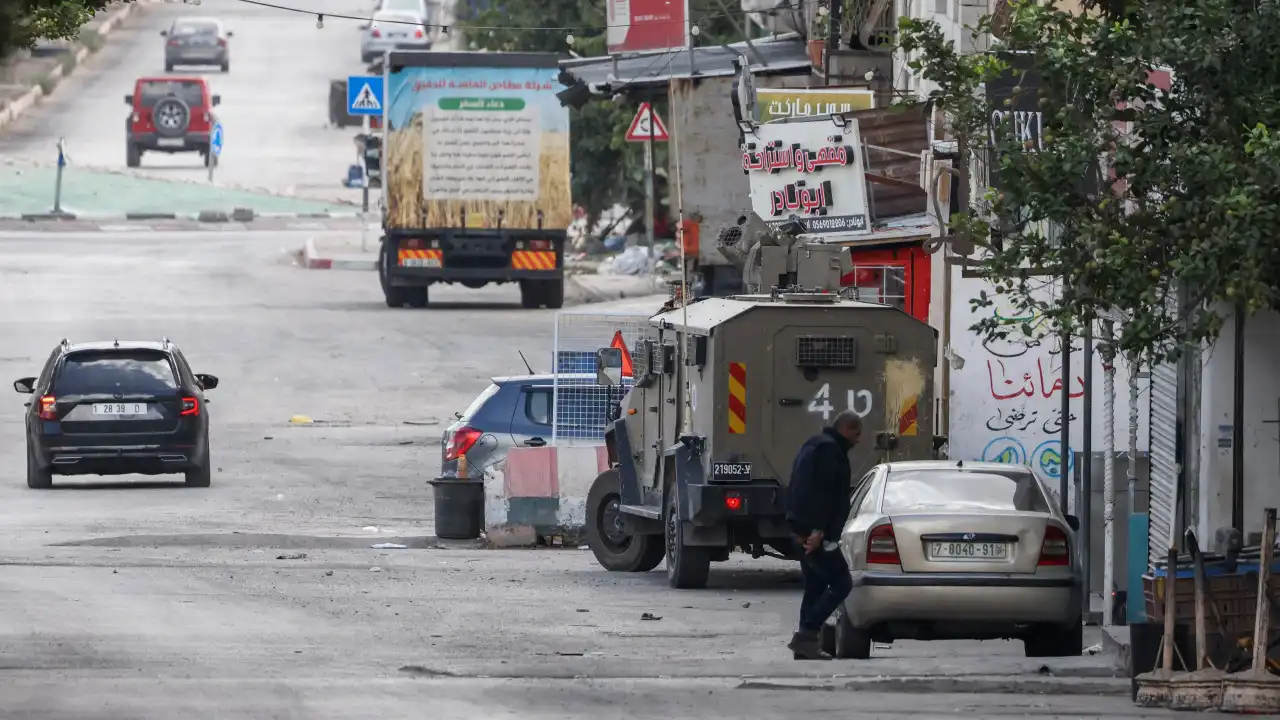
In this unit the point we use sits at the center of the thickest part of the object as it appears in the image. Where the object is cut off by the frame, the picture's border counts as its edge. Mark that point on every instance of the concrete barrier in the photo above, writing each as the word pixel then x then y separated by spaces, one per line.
pixel 541 494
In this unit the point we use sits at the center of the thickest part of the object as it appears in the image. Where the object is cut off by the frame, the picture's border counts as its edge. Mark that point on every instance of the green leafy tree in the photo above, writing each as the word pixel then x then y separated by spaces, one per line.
pixel 1187 198
pixel 24 22
pixel 607 170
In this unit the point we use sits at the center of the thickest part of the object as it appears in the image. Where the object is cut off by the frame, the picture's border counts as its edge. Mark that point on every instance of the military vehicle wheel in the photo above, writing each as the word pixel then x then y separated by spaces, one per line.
pixel 850 642
pixel 614 549
pixel 687 567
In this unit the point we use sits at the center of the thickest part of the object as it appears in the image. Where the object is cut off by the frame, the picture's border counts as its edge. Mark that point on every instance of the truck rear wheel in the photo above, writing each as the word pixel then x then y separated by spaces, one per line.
pixel 530 294
pixel 688 567
pixel 553 293
pixel 395 296
pixel 614 549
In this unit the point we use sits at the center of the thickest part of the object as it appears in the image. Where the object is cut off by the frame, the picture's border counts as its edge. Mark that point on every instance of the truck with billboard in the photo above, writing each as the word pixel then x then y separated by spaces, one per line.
pixel 475 175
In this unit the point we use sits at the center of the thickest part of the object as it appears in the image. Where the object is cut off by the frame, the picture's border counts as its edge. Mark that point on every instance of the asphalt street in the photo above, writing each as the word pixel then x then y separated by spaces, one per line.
pixel 274 99
pixel 261 596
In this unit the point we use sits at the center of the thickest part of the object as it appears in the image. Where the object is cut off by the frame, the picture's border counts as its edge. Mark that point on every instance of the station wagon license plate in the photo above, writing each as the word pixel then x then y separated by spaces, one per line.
pixel 961 551
pixel 130 408
pixel 731 471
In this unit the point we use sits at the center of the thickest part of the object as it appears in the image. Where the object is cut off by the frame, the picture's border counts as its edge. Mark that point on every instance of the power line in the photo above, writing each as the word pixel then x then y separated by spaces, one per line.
pixel 792 4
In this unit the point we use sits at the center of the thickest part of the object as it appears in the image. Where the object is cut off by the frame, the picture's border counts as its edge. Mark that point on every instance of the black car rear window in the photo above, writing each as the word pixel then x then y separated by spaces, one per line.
pixel 962 491
pixel 127 372
pixel 187 91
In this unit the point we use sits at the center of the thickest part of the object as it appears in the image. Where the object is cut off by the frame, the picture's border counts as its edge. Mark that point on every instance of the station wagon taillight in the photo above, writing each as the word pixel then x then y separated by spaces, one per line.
pixel 462 440
pixel 882 546
pixel 1056 549
pixel 190 406
pixel 48 408
pixel 417 33
pixel 376 33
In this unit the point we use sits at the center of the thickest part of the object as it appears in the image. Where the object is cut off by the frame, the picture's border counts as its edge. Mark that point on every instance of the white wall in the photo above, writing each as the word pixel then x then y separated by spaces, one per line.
pixel 1261 432
pixel 1006 399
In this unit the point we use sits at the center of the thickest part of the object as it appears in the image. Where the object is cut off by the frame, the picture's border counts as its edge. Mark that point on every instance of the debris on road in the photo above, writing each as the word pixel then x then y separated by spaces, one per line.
pixel 301 420
pixel 370 528
pixel 650 616
pixel 292 556
pixel 390 546
pixel 746 604
pixel 375 568
pixel 328 573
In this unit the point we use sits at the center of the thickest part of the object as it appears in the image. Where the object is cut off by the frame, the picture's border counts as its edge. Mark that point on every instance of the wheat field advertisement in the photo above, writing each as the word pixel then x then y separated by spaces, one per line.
pixel 476 148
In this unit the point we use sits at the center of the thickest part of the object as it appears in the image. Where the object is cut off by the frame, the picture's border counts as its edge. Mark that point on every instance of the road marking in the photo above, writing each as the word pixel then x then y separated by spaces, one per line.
pixel 126 228
pixel 307 226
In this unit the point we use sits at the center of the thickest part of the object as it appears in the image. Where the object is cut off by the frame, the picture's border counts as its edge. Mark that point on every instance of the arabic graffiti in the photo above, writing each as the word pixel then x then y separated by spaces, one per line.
pixel 1007 388
pixel 796 196
pixel 1005 449
pixel 1047 458
pixel 1021 420
pixel 774 158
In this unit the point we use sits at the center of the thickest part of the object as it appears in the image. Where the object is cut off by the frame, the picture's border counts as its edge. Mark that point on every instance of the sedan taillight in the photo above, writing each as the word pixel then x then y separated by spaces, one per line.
pixel 222 42
pixel 417 33
pixel 882 546
pixel 48 408
pixel 1056 549
pixel 376 33
pixel 190 406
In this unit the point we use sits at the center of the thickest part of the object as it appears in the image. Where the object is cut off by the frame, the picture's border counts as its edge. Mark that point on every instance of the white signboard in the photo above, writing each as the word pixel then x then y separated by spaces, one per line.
pixel 1006 400
pixel 809 172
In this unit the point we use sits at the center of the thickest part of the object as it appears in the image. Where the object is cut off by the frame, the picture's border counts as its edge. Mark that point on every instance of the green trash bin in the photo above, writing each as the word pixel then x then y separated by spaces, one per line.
pixel 459 507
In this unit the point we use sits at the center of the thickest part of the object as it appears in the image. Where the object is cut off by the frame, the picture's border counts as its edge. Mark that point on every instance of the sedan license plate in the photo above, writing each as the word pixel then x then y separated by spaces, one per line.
pixel 731 471
pixel 974 551
pixel 170 142
pixel 129 408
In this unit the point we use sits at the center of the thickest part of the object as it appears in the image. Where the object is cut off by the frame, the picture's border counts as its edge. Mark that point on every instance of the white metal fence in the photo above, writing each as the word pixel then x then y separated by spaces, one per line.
pixel 580 408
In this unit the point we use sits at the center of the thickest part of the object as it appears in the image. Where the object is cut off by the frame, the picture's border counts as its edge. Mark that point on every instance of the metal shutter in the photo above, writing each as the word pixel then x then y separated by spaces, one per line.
pixel 1165 470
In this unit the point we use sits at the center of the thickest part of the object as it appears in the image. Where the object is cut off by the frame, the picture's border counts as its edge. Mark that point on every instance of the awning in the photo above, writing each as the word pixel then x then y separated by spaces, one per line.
pixel 780 54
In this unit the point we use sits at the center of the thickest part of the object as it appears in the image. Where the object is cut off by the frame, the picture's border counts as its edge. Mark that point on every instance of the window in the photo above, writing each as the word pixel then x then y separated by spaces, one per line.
pixel 479 402
pixel 190 92
pixel 196 27
pixel 402 6
pixel 924 490
pixel 116 372
pixel 537 405
pixel 884 284
pixel 869 499
pixel 47 373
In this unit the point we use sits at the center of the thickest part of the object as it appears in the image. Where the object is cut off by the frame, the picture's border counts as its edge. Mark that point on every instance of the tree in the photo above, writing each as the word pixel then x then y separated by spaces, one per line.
pixel 607 170
pixel 1187 199
pixel 24 22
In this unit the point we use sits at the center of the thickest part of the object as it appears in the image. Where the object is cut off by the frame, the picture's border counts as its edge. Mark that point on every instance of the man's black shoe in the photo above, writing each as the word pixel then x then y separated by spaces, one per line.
pixel 807 646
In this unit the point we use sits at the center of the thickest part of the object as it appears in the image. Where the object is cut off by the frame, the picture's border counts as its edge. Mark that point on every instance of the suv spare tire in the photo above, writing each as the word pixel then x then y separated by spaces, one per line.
pixel 171 117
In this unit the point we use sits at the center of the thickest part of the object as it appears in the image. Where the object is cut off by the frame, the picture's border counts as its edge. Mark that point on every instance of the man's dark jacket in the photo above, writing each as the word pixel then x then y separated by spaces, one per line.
pixel 821 487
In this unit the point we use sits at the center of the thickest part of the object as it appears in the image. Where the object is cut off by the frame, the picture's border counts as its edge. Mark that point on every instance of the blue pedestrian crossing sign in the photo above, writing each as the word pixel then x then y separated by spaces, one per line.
pixel 364 95
pixel 215 141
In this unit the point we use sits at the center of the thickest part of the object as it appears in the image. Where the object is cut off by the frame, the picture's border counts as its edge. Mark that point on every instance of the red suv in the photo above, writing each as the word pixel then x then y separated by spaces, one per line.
pixel 170 115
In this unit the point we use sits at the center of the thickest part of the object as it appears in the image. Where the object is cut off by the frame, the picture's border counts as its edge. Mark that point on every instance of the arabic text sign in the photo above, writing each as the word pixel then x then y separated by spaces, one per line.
pixel 1006 401
pixel 807 172
pixel 779 103
pixel 635 25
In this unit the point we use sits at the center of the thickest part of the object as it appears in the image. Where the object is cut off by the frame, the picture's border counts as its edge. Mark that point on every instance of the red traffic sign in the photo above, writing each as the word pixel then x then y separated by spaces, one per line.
pixel 642 128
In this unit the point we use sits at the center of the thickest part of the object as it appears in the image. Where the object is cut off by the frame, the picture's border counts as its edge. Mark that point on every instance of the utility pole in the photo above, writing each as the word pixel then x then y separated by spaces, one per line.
pixel 649 214
pixel 835 15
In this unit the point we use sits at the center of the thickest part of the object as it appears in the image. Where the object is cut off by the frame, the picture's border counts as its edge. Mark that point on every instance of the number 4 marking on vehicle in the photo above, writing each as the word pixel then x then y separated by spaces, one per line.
pixel 859 401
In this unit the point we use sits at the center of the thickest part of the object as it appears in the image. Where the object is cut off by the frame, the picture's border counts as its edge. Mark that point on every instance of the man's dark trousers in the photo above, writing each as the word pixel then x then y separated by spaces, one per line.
pixel 826 585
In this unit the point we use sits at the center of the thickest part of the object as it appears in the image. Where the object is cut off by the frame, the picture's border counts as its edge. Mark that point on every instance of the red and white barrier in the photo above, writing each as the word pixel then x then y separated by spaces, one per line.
pixel 541 493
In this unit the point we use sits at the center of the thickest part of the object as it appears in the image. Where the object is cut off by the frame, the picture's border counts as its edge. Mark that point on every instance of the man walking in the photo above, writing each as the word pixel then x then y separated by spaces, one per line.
pixel 817 508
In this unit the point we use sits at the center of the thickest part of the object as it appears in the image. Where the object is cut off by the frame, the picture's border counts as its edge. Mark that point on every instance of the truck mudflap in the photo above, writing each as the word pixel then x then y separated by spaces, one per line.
pixel 474 255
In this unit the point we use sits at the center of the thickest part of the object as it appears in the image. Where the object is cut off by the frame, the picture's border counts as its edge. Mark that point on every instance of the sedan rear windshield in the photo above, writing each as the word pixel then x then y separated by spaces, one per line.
pixel 116 372
pixel 962 490
pixel 188 91
pixel 413 6
pixel 196 28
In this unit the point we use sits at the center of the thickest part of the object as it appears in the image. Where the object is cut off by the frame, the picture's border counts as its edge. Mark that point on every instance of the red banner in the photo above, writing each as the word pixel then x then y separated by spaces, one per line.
pixel 636 25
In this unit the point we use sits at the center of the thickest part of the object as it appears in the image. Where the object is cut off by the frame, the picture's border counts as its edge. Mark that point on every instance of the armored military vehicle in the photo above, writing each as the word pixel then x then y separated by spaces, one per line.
pixel 725 391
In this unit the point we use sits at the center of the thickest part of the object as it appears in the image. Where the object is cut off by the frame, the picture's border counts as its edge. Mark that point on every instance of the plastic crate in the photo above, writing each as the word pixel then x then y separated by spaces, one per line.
pixel 1234 595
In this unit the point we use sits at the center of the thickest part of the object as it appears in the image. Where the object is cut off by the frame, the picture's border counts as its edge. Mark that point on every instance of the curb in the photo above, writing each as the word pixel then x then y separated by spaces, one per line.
pixel 312 260
pixel 972 685
pixel 15 108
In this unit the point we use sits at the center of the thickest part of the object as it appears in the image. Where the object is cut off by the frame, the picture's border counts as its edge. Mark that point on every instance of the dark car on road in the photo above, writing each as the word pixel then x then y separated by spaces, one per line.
pixel 117 408
pixel 169 115
pixel 197 41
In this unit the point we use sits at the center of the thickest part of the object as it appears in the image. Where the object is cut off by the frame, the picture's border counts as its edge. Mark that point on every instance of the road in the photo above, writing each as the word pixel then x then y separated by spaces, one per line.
pixel 274 99
pixel 258 597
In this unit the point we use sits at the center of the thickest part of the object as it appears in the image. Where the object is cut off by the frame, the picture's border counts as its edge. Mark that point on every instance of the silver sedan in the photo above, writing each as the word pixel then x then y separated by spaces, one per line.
pixel 958 550
pixel 394 30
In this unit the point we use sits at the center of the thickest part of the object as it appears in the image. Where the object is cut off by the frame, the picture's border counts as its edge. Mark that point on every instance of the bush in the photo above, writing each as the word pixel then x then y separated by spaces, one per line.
pixel 68 64
pixel 48 84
